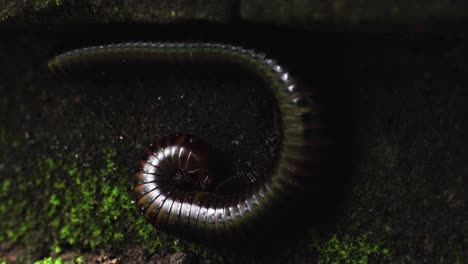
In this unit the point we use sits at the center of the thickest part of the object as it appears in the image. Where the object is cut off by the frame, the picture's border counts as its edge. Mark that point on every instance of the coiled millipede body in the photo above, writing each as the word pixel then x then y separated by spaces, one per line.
pixel 175 184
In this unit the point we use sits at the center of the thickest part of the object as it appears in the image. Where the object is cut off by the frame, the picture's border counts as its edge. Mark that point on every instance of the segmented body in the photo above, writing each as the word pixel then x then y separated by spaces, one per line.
pixel 200 213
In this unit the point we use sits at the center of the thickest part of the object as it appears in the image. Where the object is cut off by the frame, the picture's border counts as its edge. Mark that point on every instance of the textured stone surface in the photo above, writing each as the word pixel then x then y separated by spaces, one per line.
pixel 306 14
pixel 312 14
pixel 62 13
pixel 404 99
pixel 182 258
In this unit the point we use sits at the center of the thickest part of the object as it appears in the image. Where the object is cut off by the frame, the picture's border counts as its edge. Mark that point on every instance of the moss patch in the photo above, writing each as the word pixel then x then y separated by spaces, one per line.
pixel 351 250
pixel 80 204
pixel 50 260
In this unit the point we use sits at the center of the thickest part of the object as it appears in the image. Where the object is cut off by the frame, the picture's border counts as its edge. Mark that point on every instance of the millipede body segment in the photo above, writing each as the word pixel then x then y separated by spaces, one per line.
pixel 175 184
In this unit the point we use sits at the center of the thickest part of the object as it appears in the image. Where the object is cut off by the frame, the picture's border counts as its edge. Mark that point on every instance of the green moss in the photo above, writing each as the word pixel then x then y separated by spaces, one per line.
pixel 351 250
pixel 458 254
pixel 76 204
pixel 50 260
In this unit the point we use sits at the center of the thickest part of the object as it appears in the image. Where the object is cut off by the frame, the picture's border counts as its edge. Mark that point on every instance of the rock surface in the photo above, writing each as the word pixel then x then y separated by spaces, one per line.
pixel 305 14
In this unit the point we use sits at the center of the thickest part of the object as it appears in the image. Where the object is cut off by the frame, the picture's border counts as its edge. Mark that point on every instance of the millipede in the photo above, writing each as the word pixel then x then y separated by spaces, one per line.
pixel 177 184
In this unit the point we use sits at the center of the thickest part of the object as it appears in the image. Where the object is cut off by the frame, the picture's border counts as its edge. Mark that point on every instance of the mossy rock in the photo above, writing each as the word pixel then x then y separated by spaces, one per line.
pixel 68 147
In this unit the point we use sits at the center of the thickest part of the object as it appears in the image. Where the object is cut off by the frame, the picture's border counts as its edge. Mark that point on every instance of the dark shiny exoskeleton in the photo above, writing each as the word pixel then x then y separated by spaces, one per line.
pixel 169 175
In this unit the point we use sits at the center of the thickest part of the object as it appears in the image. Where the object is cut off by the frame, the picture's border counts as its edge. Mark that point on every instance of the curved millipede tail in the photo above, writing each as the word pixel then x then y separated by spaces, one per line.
pixel 175 182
